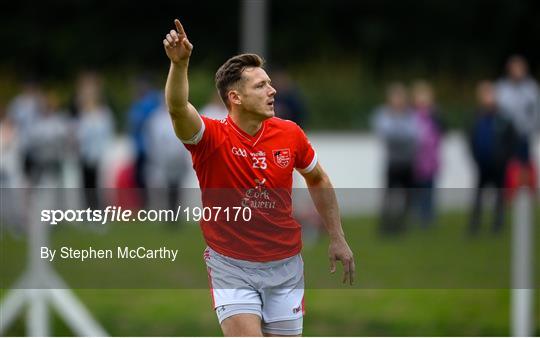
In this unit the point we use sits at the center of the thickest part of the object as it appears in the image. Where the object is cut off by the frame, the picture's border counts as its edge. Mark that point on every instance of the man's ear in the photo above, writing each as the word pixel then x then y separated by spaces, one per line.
pixel 234 97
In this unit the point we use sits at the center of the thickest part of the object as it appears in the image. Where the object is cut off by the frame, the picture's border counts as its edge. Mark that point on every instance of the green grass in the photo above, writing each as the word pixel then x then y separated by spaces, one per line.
pixel 424 283
pixel 329 312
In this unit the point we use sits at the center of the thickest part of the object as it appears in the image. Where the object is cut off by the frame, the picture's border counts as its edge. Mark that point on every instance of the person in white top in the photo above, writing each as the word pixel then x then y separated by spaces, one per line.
pixel 518 97
pixel 95 130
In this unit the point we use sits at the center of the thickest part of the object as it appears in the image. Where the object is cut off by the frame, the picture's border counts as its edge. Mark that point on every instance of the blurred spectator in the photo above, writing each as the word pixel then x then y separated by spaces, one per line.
pixel 167 163
pixel 95 130
pixel 47 143
pixel 289 104
pixel 11 213
pixel 215 109
pixel 9 165
pixel 395 124
pixel 492 139
pixel 23 111
pixel 427 164
pixel 146 100
pixel 518 96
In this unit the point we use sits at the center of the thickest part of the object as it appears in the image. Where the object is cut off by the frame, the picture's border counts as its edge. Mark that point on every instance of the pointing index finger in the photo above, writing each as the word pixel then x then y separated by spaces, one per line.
pixel 179 27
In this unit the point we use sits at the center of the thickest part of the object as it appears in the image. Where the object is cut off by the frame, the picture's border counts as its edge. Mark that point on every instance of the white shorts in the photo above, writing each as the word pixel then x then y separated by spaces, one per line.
pixel 272 290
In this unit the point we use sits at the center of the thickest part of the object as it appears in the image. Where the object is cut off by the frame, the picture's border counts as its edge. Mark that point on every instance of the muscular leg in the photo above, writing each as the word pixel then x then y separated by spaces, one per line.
pixel 242 325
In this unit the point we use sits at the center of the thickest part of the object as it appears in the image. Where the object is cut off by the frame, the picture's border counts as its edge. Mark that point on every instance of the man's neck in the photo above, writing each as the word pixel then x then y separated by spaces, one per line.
pixel 246 122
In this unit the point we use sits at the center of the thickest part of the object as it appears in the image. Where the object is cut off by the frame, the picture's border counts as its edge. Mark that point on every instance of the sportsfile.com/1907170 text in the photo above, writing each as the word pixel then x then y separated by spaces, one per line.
pixel 119 214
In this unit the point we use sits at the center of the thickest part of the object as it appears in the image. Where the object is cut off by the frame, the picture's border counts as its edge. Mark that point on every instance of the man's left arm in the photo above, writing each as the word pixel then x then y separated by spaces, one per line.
pixel 324 197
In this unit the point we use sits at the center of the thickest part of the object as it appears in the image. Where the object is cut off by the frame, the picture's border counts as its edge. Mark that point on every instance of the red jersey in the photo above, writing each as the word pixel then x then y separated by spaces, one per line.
pixel 236 169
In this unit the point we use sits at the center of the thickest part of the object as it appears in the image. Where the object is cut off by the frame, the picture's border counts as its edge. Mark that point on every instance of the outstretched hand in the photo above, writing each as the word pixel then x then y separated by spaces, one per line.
pixel 177 45
pixel 339 251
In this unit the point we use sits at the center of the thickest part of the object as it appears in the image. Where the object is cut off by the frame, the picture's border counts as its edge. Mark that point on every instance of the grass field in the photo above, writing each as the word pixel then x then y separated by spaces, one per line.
pixel 423 283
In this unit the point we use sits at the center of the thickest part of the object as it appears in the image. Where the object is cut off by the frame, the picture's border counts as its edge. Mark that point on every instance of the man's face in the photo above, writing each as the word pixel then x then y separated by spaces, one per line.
pixel 256 93
pixel 486 95
pixel 517 69
pixel 397 99
pixel 422 98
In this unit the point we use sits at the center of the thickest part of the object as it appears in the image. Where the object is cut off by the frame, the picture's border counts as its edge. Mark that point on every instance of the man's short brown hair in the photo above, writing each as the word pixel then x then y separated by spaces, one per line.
pixel 230 73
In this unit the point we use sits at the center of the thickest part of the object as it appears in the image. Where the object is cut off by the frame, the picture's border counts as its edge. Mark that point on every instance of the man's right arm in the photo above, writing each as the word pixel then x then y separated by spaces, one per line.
pixel 185 118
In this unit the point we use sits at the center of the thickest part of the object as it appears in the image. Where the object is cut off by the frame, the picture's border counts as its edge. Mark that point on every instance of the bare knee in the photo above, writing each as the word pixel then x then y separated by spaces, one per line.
pixel 242 325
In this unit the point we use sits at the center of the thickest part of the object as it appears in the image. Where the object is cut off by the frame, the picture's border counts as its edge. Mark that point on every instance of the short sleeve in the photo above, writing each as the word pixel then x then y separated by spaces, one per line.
pixel 207 139
pixel 198 136
pixel 306 157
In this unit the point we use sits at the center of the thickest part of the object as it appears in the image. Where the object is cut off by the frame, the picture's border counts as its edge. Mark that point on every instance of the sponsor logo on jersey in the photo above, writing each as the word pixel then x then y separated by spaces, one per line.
pixel 239 152
pixel 259 153
pixel 297 309
pixel 258 197
pixel 282 157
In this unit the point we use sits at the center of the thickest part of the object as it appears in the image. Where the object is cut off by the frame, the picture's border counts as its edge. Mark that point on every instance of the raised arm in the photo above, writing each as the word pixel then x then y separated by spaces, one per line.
pixel 324 197
pixel 186 120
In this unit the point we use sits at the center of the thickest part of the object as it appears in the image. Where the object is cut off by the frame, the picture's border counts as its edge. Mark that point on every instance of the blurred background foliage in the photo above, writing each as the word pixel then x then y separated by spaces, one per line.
pixel 341 53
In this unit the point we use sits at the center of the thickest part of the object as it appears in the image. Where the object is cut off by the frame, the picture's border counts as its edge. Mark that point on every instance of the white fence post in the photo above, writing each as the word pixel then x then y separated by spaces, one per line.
pixel 253 29
pixel 522 265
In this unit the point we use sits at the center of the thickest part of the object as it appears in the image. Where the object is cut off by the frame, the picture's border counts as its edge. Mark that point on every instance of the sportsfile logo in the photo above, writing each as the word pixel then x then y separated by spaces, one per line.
pixel 120 214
